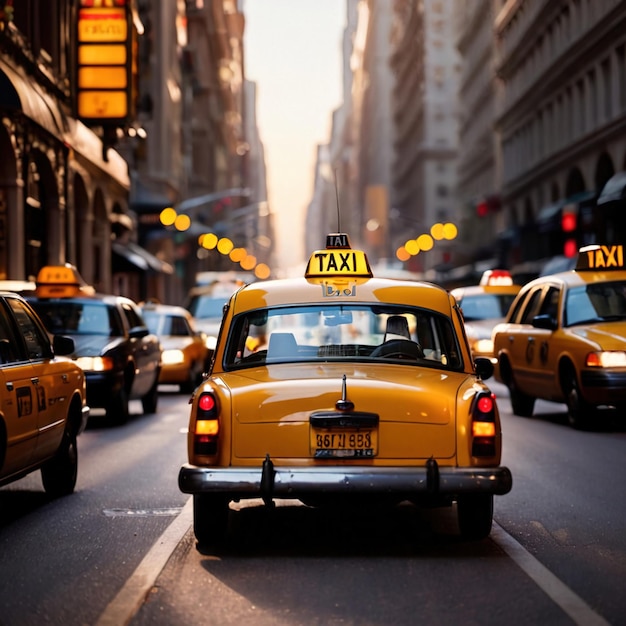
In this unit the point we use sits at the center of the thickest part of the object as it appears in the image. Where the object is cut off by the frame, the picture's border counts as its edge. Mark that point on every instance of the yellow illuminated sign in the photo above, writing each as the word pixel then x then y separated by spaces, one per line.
pixel 102 55
pixel 102 78
pixel 596 257
pixel 104 71
pixel 338 260
pixel 102 104
pixel 99 25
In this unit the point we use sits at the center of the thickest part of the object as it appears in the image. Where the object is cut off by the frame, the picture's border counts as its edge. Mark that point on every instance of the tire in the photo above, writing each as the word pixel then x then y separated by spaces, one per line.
pixel 117 411
pixel 475 516
pixel 521 403
pixel 210 519
pixel 579 412
pixel 59 474
pixel 192 381
pixel 150 401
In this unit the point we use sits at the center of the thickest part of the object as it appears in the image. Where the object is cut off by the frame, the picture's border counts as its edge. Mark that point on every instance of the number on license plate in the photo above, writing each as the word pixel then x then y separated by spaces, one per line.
pixel 343 443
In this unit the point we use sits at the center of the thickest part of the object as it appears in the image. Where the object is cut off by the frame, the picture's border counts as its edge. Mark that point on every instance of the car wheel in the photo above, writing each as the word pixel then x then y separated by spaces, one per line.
pixel 117 410
pixel 150 401
pixel 521 403
pixel 210 518
pixel 192 381
pixel 475 516
pixel 59 474
pixel 578 411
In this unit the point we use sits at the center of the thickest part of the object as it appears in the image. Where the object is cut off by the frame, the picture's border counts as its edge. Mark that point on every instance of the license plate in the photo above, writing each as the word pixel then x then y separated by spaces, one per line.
pixel 335 443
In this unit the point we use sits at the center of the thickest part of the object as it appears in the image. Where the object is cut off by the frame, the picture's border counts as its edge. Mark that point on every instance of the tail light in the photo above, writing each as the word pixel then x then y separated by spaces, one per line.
pixel 207 426
pixel 484 424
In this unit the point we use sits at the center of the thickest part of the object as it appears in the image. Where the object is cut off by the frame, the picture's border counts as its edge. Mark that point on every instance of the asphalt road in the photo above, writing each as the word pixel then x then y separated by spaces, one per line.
pixel 120 549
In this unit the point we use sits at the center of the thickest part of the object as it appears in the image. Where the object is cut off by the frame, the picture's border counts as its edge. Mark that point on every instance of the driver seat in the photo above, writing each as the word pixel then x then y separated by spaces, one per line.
pixel 397 328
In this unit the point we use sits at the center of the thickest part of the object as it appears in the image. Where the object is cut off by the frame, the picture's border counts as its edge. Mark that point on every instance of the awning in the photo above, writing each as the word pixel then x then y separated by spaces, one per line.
pixel 130 257
pixel 614 189
pixel 20 94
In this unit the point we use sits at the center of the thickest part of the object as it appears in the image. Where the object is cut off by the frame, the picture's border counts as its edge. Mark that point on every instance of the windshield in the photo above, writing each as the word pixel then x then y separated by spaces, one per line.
pixel 486 306
pixel 599 302
pixel 78 318
pixel 342 333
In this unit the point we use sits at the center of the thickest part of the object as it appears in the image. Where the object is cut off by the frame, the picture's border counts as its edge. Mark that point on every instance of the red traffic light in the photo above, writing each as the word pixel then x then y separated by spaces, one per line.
pixel 568 222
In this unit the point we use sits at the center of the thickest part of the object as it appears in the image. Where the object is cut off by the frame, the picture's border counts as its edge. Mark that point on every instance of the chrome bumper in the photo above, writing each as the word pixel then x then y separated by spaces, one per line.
pixel 293 482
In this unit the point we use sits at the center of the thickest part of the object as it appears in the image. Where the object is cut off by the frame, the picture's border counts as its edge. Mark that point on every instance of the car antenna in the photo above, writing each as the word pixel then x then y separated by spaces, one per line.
pixel 337 200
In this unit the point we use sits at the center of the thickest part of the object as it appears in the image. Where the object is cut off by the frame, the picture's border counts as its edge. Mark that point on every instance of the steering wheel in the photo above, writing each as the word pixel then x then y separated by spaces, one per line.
pixel 398 348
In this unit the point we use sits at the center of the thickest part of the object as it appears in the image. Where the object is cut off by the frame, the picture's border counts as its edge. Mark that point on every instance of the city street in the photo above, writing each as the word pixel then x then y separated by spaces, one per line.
pixel 120 550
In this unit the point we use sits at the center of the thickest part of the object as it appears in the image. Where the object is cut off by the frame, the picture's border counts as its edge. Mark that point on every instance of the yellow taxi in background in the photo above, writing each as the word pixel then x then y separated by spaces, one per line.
pixel 185 355
pixel 564 339
pixel 354 389
pixel 484 306
pixel 42 400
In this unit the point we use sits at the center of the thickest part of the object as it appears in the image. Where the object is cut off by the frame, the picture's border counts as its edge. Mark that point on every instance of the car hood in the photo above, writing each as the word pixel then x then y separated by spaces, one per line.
pixel 416 406
pixel 607 336
pixel 93 345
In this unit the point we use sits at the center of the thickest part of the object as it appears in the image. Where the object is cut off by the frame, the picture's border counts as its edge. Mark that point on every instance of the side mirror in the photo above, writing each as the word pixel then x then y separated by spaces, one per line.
pixel 547 322
pixel 62 345
pixel 483 367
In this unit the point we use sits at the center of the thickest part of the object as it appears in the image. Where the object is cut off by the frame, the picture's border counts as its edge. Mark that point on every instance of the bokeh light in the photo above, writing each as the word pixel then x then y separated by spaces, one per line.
pixel 209 241
pixel 167 216
pixel 402 254
pixel 425 242
pixel 436 231
pixel 262 271
pixel 224 245
pixel 182 222
pixel 450 231
pixel 411 247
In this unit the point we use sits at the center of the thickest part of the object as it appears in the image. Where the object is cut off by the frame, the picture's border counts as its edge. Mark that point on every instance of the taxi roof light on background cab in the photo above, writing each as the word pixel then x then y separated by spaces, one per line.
pixel 338 261
pixel 61 281
pixel 600 257
pixel 496 277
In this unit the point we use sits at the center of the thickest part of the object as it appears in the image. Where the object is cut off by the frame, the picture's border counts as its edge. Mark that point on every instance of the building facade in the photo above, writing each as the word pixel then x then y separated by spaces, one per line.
pixel 61 189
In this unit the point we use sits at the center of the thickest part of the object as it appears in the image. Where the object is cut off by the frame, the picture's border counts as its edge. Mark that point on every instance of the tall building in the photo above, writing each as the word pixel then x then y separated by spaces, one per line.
pixel 425 64
pixel 561 123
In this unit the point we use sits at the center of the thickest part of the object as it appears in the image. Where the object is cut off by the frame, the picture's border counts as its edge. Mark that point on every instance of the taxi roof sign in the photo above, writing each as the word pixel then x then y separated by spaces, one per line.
pixel 338 260
pixel 61 281
pixel 600 257
pixel 496 277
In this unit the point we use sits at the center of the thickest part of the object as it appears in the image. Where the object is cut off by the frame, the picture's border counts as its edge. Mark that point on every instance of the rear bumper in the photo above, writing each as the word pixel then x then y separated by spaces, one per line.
pixel 295 482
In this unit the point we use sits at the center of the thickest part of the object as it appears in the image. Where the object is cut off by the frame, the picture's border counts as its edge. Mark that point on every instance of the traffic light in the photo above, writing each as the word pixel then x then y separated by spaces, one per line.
pixel 569 222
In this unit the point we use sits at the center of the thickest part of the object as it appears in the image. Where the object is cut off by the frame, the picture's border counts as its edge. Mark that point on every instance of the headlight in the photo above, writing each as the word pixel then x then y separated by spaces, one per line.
pixel 483 346
pixel 616 358
pixel 211 342
pixel 95 363
pixel 172 357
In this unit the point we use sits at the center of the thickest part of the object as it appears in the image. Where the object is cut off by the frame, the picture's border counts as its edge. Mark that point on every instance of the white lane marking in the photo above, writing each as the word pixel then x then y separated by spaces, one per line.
pixel 131 596
pixel 579 611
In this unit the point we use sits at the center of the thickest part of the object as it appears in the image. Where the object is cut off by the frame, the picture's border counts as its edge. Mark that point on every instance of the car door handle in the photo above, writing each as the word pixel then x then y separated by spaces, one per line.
pixel 9 386
pixel 35 380
pixel 531 340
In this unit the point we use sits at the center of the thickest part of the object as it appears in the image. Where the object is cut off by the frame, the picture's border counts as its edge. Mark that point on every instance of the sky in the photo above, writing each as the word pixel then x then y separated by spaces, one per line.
pixel 292 51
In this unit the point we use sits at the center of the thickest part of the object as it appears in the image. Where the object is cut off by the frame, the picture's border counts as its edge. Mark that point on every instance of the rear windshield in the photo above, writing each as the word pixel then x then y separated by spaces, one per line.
pixel 342 332
pixel 67 317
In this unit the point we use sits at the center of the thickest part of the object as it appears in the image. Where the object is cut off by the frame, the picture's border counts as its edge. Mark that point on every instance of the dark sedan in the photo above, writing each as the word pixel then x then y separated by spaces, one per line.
pixel 120 357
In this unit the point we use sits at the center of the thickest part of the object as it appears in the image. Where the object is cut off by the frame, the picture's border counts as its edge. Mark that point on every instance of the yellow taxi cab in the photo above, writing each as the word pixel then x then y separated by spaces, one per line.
pixel 185 355
pixel 121 358
pixel 362 389
pixel 43 405
pixel 484 306
pixel 564 339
